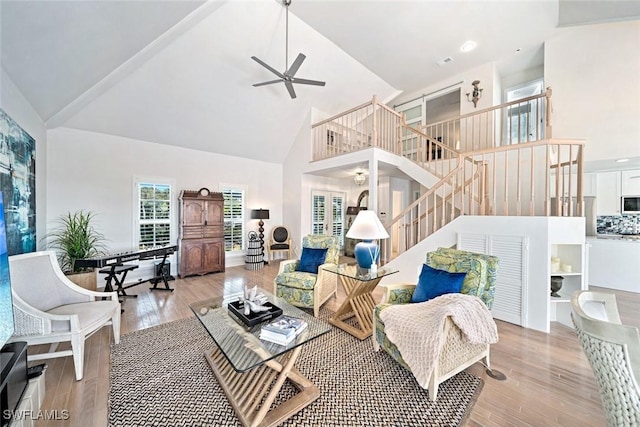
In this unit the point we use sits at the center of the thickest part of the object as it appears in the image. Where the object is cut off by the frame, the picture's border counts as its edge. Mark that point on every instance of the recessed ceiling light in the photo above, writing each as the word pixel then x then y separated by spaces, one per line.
pixel 468 46
pixel 622 160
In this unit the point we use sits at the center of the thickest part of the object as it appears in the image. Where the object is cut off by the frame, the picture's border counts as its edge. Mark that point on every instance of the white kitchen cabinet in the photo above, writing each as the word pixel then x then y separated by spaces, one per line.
pixel 608 193
pixel 590 184
pixel 630 182
pixel 613 264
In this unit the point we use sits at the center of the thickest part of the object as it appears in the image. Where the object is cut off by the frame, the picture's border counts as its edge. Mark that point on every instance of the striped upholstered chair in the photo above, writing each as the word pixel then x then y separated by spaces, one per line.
pixel 456 354
pixel 305 288
pixel 613 351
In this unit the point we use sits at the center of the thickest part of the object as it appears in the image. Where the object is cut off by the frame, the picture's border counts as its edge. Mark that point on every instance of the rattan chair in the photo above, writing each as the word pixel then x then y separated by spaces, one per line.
pixel 48 308
pixel 613 351
pixel 456 353
pixel 280 241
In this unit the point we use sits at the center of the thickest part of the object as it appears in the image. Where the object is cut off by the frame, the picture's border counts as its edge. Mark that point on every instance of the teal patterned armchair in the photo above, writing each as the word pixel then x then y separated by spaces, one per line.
pixel 309 290
pixel 456 354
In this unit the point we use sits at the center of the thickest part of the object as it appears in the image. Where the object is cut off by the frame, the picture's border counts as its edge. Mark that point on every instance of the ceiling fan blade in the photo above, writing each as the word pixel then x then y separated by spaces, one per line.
pixel 290 89
pixel 268 67
pixel 308 82
pixel 268 83
pixel 296 64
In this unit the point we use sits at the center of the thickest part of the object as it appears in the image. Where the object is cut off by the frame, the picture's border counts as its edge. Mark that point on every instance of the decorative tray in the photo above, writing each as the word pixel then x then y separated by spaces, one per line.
pixel 254 318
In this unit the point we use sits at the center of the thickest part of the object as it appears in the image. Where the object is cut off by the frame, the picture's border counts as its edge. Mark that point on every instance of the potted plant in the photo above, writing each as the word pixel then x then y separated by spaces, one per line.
pixel 76 238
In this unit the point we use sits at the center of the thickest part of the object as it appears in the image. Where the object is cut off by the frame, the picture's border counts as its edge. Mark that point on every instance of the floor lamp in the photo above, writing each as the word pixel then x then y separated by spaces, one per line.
pixel 261 214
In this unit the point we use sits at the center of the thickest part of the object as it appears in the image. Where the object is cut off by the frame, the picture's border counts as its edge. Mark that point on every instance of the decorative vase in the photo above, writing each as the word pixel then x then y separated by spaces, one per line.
pixel 556 285
pixel 366 253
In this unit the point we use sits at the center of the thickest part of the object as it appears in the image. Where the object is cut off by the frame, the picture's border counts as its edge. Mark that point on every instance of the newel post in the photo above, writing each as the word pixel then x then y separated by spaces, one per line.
pixel 548 134
pixel 403 123
pixel 374 133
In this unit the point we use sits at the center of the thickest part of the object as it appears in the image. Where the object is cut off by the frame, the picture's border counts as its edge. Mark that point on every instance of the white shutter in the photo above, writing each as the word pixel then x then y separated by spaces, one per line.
pixel 318 213
pixel 473 242
pixel 233 219
pixel 337 222
pixel 513 254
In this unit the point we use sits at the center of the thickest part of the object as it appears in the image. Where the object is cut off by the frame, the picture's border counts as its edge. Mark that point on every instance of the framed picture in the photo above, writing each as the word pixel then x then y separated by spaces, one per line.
pixel 18 185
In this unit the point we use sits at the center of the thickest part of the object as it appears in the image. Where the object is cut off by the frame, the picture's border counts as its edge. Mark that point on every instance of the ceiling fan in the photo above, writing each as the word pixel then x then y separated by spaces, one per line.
pixel 288 76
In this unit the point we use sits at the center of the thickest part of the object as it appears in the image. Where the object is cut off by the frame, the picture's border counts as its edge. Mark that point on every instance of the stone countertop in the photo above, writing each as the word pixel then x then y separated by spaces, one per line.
pixel 621 237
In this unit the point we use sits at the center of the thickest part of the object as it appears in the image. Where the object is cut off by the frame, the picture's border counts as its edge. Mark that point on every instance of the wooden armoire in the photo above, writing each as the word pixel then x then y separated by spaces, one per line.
pixel 201 239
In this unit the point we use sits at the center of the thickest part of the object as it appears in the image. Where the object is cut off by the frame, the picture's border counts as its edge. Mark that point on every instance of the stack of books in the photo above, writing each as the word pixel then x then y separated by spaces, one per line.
pixel 283 330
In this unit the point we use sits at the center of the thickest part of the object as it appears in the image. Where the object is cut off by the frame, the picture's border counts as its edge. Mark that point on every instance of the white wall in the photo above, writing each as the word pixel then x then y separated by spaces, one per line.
pixel 486 73
pixel 593 71
pixel 95 172
pixel 18 108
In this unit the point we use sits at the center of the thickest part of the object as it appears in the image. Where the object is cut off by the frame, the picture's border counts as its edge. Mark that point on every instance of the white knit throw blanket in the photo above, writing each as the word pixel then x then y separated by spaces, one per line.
pixel 416 329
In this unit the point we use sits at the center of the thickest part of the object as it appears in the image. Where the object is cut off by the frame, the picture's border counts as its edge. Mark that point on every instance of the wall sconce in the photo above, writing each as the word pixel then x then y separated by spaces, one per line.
pixel 359 179
pixel 476 94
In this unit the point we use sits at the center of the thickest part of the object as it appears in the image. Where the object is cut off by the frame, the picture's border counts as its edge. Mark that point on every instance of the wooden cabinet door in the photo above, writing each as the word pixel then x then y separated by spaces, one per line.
pixel 214 255
pixel 193 212
pixel 192 258
pixel 214 212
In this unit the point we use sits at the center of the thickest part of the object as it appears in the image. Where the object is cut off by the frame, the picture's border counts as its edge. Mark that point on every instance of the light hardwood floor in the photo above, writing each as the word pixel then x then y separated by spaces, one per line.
pixel 549 381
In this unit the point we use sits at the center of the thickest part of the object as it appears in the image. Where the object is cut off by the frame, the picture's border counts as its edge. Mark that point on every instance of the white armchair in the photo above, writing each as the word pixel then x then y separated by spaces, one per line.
pixel 49 309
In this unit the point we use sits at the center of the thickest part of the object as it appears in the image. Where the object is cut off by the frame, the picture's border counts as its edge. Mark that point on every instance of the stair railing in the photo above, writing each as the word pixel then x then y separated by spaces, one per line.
pixel 525 120
pixel 541 178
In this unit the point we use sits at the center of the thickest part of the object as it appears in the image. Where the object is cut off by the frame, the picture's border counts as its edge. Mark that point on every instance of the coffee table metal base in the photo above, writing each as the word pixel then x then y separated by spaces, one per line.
pixel 252 393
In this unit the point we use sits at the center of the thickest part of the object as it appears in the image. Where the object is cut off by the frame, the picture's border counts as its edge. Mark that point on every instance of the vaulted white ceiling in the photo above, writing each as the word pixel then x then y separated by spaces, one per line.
pixel 179 72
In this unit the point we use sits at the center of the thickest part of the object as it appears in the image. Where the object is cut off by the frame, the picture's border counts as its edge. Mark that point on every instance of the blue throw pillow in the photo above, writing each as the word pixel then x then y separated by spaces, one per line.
pixel 311 259
pixel 433 283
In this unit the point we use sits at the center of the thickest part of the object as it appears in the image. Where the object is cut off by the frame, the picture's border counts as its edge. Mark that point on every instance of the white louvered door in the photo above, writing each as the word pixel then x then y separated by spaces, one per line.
pixel 511 283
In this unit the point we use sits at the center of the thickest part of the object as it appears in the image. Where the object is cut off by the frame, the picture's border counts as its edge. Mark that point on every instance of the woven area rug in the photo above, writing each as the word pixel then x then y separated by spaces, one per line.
pixel 159 377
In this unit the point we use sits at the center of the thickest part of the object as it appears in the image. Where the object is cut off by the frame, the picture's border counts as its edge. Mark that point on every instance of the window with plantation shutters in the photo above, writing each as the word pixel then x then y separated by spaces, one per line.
pixel 233 219
pixel 318 213
pixel 337 217
pixel 154 215
pixel 327 214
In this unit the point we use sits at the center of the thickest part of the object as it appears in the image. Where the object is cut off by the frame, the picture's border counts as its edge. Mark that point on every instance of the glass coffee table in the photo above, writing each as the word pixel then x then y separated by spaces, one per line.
pixel 252 371
pixel 358 285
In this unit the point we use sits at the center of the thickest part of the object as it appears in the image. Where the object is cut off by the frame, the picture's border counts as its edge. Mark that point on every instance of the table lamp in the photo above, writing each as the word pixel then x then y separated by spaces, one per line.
pixel 367 227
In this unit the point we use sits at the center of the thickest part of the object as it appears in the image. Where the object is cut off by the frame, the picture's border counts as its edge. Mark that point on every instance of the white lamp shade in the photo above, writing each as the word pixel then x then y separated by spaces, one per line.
pixel 367 226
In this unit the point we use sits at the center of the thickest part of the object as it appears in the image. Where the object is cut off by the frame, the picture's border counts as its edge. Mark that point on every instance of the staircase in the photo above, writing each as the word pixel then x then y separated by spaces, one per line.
pixel 500 161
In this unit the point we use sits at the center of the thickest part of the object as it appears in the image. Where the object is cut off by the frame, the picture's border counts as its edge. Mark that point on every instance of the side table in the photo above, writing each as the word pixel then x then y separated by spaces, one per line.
pixel 359 286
